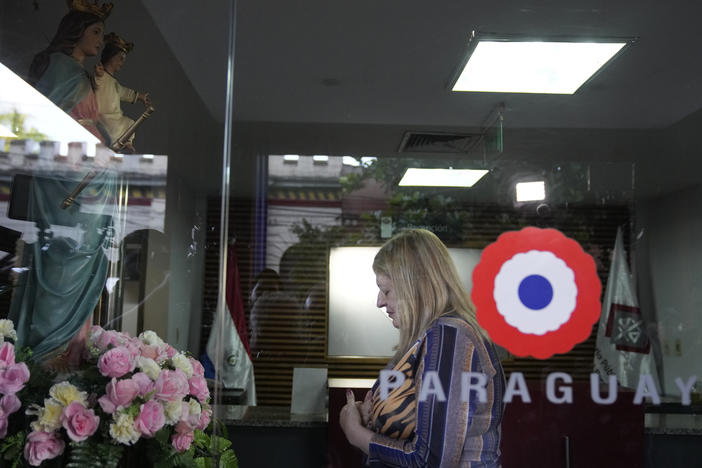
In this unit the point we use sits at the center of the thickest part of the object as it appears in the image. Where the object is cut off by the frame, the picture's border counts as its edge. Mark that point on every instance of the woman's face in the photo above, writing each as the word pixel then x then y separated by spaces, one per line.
pixel 387 298
pixel 91 40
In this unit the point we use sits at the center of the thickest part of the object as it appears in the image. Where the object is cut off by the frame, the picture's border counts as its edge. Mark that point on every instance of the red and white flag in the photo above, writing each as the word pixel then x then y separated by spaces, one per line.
pixel 623 346
pixel 237 370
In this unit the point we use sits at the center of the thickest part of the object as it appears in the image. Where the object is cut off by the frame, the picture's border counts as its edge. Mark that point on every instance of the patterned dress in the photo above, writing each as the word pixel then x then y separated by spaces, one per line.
pixel 456 432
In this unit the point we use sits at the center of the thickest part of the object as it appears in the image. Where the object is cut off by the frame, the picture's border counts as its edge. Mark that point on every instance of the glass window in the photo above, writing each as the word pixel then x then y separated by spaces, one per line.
pixel 224 175
pixel 112 156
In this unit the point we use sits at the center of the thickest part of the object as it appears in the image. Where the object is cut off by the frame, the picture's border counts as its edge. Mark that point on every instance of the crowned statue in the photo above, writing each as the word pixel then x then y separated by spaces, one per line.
pixel 59 72
pixel 110 93
pixel 53 304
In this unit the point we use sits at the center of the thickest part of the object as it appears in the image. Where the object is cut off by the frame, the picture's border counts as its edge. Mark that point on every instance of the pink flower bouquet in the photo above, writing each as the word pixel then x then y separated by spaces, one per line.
pixel 132 397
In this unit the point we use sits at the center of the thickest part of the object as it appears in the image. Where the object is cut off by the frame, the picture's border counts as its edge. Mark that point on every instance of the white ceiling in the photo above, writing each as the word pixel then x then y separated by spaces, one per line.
pixel 389 62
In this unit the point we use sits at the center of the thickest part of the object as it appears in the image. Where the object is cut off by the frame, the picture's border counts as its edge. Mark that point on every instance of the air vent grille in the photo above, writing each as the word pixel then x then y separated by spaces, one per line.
pixel 423 142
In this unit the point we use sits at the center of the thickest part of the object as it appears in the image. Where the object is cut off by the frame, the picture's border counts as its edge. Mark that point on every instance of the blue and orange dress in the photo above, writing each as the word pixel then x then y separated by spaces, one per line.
pixel 461 430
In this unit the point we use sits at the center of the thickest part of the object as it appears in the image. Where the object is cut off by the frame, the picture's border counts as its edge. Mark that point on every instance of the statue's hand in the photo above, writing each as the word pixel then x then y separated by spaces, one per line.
pixel 144 98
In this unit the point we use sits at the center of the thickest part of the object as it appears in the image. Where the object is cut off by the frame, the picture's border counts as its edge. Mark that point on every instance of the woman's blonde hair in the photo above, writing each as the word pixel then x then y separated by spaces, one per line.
pixel 426 284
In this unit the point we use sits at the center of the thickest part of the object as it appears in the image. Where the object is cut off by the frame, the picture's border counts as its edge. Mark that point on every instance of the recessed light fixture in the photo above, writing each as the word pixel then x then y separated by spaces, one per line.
pixel 519 65
pixel 291 158
pixel 415 177
pixel 530 191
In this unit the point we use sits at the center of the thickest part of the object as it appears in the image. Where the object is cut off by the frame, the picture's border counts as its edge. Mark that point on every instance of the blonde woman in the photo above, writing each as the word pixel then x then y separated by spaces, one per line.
pixel 441 404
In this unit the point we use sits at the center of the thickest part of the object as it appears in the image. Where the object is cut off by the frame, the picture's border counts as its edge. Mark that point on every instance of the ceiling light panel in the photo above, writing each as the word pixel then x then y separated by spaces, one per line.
pixel 415 177
pixel 533 67
pixel 530 191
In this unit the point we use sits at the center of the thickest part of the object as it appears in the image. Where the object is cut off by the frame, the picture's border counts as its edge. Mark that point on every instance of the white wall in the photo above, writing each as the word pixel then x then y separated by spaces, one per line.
pixel 669 265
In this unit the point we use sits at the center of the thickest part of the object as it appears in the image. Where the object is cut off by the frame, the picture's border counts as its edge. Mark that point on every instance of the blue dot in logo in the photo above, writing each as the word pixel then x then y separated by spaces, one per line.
pixel 535 292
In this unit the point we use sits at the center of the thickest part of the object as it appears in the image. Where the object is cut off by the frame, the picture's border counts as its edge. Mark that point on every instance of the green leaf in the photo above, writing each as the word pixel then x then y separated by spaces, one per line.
pixel 180 460
pixel 228 460
pixel 94 454
pixel 12 448
pixel 201 439
pixel 204 462
pixel 219 444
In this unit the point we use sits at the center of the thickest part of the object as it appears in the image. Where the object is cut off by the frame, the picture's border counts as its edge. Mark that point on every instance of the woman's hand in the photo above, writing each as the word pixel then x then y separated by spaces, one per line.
pixel 350 415
pixel 351 422
pixel 364 408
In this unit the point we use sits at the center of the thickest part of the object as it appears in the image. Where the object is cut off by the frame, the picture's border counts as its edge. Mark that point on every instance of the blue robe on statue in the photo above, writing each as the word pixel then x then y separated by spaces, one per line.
pixel 66 83
pixel 67 266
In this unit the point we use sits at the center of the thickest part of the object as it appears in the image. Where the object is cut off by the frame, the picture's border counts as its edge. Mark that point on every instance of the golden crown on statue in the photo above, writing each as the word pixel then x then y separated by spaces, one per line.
pixel 86 6
pixel 113 38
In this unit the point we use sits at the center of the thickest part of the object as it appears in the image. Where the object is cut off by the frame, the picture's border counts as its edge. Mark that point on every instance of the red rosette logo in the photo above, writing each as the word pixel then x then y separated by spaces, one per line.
pixel 536 292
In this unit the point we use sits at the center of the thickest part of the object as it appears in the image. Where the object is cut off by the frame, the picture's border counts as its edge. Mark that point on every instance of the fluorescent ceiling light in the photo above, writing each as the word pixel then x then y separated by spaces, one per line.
pixel 533 67
pixel 320 158
pixel 441 177
pixel 530 191
pixel 291 157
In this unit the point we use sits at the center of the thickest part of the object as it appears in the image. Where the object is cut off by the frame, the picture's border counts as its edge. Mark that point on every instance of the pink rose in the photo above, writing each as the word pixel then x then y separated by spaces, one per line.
pixel 118 394
pixel 7 354
pixel 188 421
pixel 198 388
pixel 143 382
pixel 197 367
pixel 205 419
pixel 134 347
pixel 183 427
pixel 151 418
pixel 171 385
pixel 13 378
pixel 42 446
pixel 3 424
pixel 181 442
pixel 150 351
pixel 171 351
pixel 79 421
pixel 106 339
pixel 10 403
pixel 116 362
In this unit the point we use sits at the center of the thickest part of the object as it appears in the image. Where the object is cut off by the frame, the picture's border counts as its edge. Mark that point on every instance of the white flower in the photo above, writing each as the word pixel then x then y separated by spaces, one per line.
pixel 151 338
pixel 195 407
pixel 123 429
pixel 94 333
pixel 7 329
pixel 65 393
pixel 173 410
pixel 180 361
pixel 149 367
pixel 48 417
